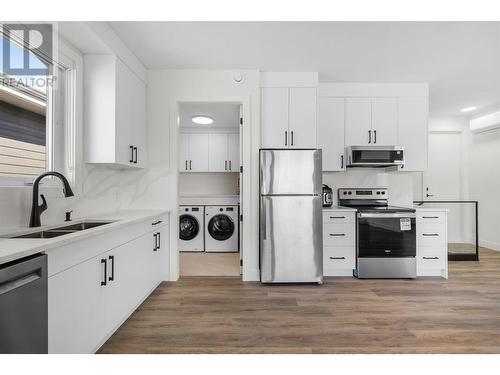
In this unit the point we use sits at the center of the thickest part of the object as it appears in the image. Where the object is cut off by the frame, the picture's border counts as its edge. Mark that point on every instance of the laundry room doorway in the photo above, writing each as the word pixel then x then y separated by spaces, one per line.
pixel 209 188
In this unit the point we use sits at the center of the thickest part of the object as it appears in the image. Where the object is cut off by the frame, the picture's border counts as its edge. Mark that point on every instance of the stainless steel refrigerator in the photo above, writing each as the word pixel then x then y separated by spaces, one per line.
pixel 291 230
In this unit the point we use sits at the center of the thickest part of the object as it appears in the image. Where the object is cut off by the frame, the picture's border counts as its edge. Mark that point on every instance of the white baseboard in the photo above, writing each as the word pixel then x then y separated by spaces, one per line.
pixel 490 245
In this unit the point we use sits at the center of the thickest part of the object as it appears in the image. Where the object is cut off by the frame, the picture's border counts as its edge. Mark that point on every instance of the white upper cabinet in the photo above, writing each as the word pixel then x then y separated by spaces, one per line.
pixel 209 152
pixel 224 152
pixel 413 132
pixel 331 133
pixel 183 152
pixel 198 152
pixel 114 113
pixel 358 124
pixel 302 121
pixel 384 121
pixel 193 152
pixel 274 119
pixel 233 152
pixel 371 121
pixel 217 158
pixel 374 114
pixel 289 110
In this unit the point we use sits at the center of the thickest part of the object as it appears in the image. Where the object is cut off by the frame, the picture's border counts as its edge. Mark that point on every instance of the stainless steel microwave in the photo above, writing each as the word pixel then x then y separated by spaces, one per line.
pixel 375 156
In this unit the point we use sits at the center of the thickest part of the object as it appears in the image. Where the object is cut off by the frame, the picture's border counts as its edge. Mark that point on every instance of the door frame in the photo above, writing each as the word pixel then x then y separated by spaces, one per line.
pixel 245 181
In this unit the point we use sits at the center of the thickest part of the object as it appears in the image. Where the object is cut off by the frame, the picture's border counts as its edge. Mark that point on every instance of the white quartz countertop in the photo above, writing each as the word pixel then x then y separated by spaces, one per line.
pixel 16 248
pixel 337 208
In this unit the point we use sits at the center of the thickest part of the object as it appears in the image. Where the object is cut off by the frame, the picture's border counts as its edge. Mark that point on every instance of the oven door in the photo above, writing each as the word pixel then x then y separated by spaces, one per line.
pixel 386 235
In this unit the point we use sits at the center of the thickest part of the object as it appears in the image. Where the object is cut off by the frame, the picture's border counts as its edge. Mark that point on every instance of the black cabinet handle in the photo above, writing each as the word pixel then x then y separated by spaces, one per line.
pixel 430 234
pixel 292 136
pixel 159 241
pixel 135 159
pixel 186 168
pixel 225 165
pixel 286 137
pixel 369 136
pixel 157 222
pixel 131 154
pixel 337 258
pixel 190 165
pixel 112 259
pixel 374 136
pixel 156 242
pixel 337 234
pixel 341 161
pixel 430 217
pixel 230 165
pixel 337 217
pixel 104 281
pixel 430 257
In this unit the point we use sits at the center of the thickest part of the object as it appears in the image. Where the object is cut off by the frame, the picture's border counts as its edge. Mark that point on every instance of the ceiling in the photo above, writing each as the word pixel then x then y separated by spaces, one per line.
pixel 225 115
pixel 460 60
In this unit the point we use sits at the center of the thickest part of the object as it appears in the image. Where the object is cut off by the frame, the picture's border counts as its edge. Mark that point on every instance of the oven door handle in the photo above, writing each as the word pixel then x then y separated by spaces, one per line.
pixel 386 216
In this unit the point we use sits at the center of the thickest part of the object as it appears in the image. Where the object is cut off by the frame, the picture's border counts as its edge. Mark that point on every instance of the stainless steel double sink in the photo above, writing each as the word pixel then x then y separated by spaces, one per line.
pixel 66 229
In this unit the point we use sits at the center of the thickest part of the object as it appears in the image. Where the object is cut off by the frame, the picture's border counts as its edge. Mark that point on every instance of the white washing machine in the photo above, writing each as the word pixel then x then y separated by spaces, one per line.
pixel 191 228
pixel 221 228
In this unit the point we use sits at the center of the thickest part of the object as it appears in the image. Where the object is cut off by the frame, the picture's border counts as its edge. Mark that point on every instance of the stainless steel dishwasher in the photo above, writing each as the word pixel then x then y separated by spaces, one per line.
pixel 23 305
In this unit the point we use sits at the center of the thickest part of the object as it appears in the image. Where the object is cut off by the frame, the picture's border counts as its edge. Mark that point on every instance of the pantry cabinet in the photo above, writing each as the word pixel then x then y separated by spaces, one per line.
pixel 224 152
pixel 288 117
pixel 331 133
pixel 114 113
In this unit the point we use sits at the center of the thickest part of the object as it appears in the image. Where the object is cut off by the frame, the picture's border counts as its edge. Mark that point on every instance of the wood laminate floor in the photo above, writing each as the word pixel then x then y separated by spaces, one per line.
pixel 344 315
pixel 209 264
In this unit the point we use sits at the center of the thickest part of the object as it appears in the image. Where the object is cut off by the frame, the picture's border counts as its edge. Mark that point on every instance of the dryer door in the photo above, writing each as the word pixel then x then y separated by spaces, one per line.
pixel 188 227
pixel 221 227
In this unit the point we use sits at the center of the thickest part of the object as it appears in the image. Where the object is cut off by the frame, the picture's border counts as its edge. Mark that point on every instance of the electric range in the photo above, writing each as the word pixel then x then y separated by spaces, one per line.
pixel 385 235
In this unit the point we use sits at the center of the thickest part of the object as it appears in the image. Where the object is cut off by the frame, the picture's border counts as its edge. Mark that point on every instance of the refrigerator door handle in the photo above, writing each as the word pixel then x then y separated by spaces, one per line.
pixel 263 225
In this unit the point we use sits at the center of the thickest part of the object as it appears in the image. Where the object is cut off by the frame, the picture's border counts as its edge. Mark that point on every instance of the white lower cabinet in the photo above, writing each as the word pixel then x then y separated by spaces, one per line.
pixel 432 243
pixel 339 242
pixel 90 300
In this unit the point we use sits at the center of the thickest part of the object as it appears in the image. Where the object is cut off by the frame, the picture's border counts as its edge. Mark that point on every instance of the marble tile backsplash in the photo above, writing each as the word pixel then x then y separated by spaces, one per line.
pixel 400 184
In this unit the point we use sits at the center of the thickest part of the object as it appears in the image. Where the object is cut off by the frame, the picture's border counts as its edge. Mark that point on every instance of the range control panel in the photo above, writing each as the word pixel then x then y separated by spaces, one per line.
pixel 363 193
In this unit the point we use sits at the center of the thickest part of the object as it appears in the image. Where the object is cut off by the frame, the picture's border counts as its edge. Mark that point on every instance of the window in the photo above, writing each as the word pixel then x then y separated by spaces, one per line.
pixel 37 118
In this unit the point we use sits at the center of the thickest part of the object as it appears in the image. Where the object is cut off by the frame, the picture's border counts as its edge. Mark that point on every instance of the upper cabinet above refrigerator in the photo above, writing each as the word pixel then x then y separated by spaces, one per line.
pixel 289 110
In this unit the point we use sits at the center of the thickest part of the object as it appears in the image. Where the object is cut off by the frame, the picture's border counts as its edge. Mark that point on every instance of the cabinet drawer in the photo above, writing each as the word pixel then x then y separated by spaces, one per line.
pixel 430 217
pixel 433 260
pixel 338 258
pixel 431 235
pixel 338 217
pixel 338 234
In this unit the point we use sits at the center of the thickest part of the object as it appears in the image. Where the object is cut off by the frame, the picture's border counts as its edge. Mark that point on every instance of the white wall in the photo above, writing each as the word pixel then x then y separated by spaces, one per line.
pixel 208 183
pixel 165 89
pixel 484 184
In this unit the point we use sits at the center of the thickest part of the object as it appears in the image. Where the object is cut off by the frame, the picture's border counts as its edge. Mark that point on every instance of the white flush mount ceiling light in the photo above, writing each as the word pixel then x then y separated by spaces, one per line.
pixel 202 120
pixel 468 109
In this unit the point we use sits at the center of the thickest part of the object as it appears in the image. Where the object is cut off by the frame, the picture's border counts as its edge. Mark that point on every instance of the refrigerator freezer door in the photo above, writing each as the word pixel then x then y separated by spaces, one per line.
pixel 291 239
pixel 284 172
